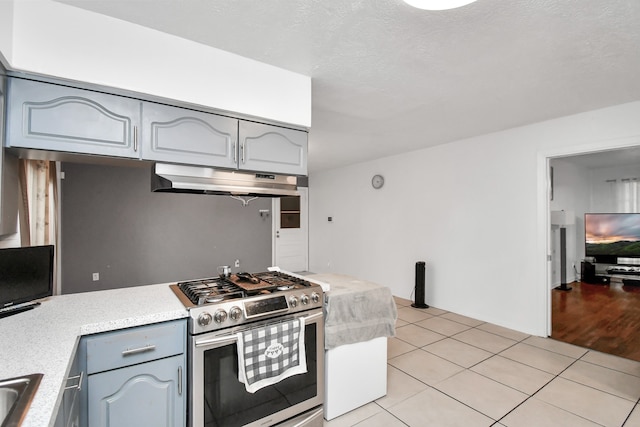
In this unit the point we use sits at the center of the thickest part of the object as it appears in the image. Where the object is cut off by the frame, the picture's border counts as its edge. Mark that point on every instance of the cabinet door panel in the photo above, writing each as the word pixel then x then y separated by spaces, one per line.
pixel 8 175
pixel 178 135
pixel 272 149
pixel 51 117
pixel 149 394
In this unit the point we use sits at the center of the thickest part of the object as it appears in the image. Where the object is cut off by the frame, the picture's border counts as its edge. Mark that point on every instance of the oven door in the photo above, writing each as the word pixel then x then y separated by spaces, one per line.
pixel 218 399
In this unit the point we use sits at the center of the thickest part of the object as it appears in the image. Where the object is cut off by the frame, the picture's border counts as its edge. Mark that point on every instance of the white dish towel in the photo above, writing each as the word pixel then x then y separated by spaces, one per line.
pixel 271 353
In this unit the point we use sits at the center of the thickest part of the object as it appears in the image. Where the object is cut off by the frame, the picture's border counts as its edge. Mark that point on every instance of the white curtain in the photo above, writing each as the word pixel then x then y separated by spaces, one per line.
pixel 38 219
pixel 38 209
pixel 627 191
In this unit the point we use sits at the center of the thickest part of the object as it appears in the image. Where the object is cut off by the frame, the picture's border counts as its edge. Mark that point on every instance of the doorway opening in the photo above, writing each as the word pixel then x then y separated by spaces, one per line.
pixel 599 316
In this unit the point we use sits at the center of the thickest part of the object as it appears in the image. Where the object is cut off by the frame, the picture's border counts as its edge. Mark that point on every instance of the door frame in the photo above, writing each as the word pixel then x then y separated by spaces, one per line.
pixel 544 276
pixel 304 219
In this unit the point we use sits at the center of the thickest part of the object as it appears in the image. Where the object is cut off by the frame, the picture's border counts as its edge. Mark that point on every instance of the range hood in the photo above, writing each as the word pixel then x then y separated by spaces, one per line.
pixel 170 178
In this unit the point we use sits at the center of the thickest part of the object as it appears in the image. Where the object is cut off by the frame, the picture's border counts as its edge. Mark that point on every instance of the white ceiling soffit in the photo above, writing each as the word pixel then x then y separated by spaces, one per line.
pixel 389 78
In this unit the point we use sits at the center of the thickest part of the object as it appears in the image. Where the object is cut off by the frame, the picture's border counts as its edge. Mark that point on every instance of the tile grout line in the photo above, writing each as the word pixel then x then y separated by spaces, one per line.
pixel 558 375
pixel 463 367
pixel 631 412
pixel 538 390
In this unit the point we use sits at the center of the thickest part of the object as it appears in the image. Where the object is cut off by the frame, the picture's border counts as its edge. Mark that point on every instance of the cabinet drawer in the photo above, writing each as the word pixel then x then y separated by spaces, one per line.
pixel 116 349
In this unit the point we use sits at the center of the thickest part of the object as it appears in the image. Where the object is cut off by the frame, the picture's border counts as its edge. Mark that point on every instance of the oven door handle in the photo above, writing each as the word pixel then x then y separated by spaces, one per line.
pixel 230 339
pixel 313 316
pixel 227 339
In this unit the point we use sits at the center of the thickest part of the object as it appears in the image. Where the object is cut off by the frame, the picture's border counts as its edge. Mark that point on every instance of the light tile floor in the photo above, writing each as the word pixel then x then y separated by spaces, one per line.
pixel 450 370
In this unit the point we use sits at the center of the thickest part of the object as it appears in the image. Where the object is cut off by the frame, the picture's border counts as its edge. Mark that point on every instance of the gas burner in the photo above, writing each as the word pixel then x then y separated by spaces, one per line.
pixel 282 281
pixel 217 290
pixel 217 303
pixel 206 291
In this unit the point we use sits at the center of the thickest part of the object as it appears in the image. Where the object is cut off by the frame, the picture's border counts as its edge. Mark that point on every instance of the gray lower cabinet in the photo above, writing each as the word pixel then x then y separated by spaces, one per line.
pixel 272 149
pixel 179 135
pixel 46 116
pixel 69 412
pixel 150 394
pixel 137 376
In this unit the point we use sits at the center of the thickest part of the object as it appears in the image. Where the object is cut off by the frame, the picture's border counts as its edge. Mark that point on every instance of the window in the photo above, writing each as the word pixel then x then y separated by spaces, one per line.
pixel 290 212
pixel 627 192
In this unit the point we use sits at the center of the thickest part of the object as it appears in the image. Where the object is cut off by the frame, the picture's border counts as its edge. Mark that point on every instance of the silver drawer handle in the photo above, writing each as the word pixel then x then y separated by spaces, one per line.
pixel 133 351
pixel 77 386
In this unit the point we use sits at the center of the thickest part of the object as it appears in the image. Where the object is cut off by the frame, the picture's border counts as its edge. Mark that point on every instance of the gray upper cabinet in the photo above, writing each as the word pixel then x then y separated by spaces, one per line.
pixel 51 117
pixel 179 135
pixel 274 149
pixel 8 176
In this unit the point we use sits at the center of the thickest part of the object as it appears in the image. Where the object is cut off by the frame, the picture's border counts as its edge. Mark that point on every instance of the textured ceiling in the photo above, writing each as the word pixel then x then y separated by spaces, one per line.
pixel 388 78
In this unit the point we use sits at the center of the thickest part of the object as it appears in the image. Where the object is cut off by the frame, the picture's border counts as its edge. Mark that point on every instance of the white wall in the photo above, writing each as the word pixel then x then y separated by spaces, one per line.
pixel 64 41
pixel 474 210
pixel 6 31
pixel 603 196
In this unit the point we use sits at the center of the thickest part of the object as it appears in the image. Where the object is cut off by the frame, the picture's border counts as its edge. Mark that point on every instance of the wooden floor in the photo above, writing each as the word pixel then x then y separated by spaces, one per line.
pixel 600 317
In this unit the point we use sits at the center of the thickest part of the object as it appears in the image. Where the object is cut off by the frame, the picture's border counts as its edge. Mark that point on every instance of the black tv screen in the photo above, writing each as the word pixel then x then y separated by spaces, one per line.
pixel 26 274
pixel 612 236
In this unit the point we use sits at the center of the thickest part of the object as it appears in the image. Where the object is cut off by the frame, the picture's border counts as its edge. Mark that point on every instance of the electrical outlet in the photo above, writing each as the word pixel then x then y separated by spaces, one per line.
pixel 95 276
pixel 237 264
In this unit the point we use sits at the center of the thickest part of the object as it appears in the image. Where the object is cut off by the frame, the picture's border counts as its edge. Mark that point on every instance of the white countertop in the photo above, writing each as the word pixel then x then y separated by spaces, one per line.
pixel 43 340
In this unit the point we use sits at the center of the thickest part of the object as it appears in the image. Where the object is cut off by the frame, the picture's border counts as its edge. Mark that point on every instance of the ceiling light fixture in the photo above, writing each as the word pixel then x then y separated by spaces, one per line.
pixel 438 4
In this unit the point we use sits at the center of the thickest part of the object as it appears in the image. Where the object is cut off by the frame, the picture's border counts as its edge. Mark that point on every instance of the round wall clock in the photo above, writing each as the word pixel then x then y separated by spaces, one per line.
pixel 377 181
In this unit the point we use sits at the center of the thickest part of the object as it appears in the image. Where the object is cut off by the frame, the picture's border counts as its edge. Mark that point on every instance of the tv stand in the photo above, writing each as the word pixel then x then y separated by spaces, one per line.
pixel 624 270
pixel 627 275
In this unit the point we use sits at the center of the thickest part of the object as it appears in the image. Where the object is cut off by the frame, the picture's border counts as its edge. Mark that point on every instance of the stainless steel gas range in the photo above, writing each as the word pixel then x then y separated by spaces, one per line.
pixel 223 308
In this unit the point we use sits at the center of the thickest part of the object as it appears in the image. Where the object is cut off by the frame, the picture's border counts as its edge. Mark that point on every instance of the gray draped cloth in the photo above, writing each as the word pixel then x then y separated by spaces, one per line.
pixel 356 310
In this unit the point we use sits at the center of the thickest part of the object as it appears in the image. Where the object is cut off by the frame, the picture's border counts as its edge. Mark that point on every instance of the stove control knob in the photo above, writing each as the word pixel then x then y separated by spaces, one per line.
pixel 204 319
pixel 235 313
pixel 304 299
pixel 315 298
pixel 220 316
pixel 293 301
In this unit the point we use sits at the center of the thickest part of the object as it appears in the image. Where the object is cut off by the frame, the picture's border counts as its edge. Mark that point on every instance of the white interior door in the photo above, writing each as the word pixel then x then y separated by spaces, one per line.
pixel 291 232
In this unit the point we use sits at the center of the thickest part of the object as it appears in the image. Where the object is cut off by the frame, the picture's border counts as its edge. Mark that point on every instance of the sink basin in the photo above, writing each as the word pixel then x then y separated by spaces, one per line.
pixel 15 397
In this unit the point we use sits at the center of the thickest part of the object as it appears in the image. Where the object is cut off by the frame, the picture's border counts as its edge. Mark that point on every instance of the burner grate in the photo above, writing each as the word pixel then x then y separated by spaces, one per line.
pixel 282 280
pixel 210 290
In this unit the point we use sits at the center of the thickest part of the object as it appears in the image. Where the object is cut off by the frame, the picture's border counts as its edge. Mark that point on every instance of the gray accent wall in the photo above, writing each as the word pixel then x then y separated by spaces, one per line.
pixel 112 224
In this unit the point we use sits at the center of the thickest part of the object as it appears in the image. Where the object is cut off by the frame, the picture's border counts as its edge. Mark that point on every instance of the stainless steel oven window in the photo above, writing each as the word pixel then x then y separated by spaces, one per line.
pixel 218 399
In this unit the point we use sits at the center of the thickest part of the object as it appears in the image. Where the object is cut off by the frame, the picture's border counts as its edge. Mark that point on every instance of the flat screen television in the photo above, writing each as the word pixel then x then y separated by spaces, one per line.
pixel 26 274
pixel 612 236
